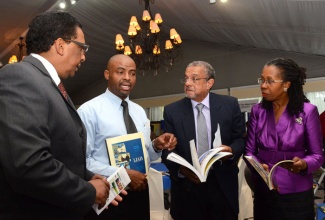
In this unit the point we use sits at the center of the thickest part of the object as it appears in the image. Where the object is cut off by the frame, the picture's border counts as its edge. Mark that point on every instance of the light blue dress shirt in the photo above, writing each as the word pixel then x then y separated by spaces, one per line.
pixel 103 118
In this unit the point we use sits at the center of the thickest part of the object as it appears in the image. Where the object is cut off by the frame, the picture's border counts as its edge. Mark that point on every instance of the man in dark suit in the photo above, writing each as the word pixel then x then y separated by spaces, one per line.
pixel 43 173
pixel 217 198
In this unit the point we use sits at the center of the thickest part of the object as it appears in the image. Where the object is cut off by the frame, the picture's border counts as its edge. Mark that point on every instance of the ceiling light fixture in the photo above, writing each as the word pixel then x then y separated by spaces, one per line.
pixel 62 5
pixel 149 47
pixel 20 45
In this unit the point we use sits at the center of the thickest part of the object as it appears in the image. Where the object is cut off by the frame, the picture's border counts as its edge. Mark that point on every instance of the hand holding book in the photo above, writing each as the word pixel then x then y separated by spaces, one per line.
pixel 262 169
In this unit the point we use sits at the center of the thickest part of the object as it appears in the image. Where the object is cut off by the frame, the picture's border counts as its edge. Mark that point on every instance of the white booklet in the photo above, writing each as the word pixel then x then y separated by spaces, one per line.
pixel 117 182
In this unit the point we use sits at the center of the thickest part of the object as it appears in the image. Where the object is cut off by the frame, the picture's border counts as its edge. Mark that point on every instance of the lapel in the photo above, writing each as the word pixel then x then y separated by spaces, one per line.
pixel 38 64
pixel 188 119
pixel 272 139
pixel 215 115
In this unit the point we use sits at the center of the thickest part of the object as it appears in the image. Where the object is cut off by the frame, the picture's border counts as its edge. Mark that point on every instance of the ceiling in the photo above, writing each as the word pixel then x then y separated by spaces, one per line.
pixel 287 25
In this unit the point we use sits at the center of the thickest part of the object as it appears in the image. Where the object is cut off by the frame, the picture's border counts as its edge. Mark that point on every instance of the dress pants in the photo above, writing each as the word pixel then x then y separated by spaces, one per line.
pixel 134 206
pixel 203 201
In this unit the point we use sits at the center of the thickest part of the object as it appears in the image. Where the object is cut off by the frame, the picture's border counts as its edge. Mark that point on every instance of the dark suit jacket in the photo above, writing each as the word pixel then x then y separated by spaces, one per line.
pixel 42 148
pixel 179 120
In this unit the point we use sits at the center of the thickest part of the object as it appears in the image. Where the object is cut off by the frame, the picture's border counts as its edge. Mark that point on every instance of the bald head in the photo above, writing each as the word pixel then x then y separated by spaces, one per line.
pixel 117 58
pixel 121 75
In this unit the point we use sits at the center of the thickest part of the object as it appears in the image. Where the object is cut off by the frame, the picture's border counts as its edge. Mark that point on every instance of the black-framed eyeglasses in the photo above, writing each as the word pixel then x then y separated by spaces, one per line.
pixel 268 82
pixel 193 79
pixel 83 46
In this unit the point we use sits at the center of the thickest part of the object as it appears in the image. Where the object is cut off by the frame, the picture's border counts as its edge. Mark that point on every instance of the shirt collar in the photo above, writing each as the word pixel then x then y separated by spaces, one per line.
pixel 49 67
pixel 115 99
pixel 205 102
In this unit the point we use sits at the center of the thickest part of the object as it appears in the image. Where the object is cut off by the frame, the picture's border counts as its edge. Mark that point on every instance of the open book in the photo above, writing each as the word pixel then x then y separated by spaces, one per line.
pixel 202 165
pixel 267 176
pixel 117 182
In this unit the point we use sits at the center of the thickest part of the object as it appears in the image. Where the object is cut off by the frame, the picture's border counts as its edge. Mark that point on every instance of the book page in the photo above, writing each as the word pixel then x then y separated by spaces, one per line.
pixel 205 158
pixel 194 156
pixel 216 157
pixel 258 167
pixel 180 160
pixel 285 164
pixel 217 138
pixel 117 182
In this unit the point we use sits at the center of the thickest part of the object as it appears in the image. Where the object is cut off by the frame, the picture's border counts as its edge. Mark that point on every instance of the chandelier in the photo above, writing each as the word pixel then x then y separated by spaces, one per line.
pixel 20 45
pixel 148 44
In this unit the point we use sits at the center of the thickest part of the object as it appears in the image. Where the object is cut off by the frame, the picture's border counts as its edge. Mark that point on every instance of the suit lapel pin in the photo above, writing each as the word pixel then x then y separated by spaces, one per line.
pixel 299 120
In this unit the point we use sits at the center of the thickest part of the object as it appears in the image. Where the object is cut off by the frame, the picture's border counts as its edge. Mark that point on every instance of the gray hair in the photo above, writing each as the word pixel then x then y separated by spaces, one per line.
pixel 207 68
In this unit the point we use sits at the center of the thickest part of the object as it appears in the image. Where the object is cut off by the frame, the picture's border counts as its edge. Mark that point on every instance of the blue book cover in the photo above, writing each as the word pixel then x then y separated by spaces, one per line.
pixel 128 151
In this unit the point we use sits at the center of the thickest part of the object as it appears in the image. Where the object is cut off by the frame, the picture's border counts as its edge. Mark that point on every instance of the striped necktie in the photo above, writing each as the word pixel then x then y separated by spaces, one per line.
pixel 202 131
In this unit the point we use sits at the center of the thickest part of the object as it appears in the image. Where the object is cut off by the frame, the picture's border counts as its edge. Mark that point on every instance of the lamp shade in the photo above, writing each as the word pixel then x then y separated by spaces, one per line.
pixel 156 50
pixel 119 47
pixel 168 45
pixel 138 49
pixel 138 27
pixel 173 33
pixel 119 39
pixel 132 31
pixel 146 16
pixel 13 59
pixel 178 40
pixel 134 21
pixel 154 27
pixel 158 18
pixel 127 50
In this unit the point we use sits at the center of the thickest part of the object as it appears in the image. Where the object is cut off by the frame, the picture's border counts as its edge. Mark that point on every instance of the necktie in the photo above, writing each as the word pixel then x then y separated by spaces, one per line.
pixel 202 131
pixel 129 124
pixel 63 91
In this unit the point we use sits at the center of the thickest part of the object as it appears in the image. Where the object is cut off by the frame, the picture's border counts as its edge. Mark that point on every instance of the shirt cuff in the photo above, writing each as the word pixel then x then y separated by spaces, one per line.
pixel 153 146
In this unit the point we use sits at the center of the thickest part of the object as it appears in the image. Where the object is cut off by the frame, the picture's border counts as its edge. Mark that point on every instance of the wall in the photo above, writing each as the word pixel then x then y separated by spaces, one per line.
pixel 235 66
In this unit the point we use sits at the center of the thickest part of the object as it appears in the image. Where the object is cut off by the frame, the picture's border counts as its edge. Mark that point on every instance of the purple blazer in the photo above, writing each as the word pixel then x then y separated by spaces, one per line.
pixel 291 136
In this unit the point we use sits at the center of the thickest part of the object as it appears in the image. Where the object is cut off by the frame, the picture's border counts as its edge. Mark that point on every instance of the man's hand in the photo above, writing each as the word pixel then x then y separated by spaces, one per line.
pixel 139 180
pixel 102 189
pixel 189 174
pixel 119 198
pixel 165 141
pixel 226 149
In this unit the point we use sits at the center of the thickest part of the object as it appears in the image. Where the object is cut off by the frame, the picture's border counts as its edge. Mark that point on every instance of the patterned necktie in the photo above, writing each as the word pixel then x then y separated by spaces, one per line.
pixel 202 131
pixel 63 91
pixel 129 124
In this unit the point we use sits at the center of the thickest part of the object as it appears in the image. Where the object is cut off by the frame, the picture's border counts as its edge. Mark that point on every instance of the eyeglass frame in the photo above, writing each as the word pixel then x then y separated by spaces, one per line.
pixel 83 46
pixel 261 81
pixel 194 79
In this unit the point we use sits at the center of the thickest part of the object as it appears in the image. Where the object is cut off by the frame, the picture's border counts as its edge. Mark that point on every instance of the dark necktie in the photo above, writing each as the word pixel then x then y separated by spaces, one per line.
pixel 129 124
pixel 63 91
pixel 202 131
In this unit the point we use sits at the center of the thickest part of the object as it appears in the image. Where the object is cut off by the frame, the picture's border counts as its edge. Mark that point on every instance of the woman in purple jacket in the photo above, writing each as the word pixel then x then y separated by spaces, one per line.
pixel 285 126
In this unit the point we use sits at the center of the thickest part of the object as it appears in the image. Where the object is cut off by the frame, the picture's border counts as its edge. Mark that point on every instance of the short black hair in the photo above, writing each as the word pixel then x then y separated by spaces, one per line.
pixel 45 28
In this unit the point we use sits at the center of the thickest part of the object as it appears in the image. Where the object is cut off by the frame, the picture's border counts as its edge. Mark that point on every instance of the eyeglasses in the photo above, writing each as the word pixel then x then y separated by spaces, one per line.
pixel 84 47
pixel 268 82
pixel 194 79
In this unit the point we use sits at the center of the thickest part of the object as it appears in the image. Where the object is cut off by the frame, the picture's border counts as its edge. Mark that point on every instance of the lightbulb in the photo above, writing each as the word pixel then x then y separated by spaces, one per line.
pixel 62 5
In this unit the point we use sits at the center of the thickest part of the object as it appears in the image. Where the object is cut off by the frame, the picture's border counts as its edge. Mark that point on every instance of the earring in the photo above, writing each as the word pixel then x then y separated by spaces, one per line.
pixel 285 89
